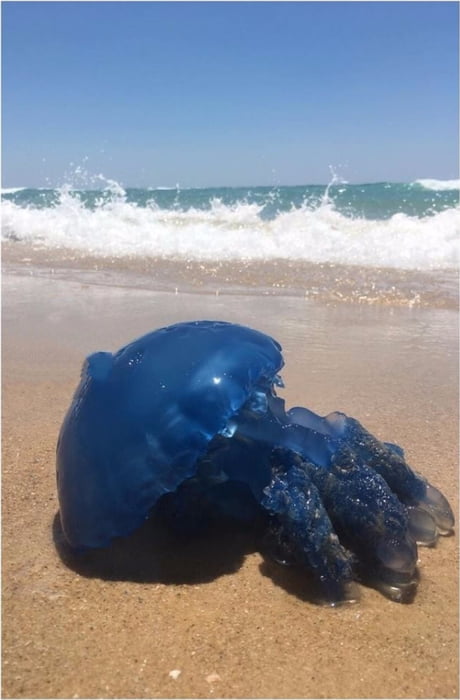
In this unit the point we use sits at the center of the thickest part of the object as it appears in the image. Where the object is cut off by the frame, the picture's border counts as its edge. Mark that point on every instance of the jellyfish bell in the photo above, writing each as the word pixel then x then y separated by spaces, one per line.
pixel 141 419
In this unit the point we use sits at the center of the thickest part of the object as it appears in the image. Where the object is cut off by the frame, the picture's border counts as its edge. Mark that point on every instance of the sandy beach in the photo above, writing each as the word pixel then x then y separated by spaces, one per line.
pixel 153 619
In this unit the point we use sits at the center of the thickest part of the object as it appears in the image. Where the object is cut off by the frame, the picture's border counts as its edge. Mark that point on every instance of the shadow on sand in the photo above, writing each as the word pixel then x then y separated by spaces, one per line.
pixel 154 554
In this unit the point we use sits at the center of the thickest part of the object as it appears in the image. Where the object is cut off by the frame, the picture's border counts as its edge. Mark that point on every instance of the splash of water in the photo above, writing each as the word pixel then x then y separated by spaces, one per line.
pixel 314 230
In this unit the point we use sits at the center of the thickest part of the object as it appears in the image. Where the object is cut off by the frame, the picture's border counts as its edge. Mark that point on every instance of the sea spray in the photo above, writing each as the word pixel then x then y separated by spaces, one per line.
pixel 403 226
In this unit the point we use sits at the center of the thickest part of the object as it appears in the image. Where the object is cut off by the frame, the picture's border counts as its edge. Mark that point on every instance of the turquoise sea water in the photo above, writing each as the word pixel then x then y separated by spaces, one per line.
pixel 369 201
pixel 398 225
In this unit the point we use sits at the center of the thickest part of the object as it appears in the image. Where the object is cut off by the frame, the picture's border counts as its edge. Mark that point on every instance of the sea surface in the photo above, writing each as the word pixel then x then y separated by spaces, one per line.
pixel 400 228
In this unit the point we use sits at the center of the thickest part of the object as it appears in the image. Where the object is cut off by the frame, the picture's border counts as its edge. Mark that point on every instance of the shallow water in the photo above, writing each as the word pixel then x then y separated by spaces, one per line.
pixel 84 317
pixel 324 282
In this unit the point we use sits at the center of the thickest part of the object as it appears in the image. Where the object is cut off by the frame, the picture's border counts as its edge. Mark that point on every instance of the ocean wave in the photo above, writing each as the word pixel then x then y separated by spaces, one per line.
pixel 12 190
pixel 438 185
pixel 320 234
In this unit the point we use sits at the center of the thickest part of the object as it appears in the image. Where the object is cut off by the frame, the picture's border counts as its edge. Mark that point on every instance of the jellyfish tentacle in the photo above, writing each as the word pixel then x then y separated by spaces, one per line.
pixel 275 427
pixel 371 521
pixel 302 528
pixel 422 526
pixel 430 512
pixel 397 449
pixel 411 488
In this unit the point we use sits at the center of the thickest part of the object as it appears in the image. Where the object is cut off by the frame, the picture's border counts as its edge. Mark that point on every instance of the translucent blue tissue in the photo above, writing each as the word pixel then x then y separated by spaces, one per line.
pixel 188 416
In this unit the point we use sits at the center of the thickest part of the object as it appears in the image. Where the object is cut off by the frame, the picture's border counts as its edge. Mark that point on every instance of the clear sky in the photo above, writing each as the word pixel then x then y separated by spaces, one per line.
pixel 229 93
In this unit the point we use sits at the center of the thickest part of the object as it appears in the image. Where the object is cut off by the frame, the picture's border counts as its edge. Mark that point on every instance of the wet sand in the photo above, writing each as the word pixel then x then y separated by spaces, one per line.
pixel 325 282
pixel 156 618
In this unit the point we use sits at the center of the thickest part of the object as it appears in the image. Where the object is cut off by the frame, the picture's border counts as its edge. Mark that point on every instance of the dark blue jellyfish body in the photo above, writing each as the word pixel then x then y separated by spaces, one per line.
pixel 188 415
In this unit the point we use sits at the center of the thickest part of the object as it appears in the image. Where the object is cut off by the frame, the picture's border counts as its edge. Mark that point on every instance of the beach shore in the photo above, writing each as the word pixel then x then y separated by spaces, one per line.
pixel 216 619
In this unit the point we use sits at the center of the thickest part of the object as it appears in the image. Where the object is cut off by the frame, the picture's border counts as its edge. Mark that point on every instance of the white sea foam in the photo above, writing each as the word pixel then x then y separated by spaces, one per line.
pixel 439 185
pixel 236 232
pixel 12 190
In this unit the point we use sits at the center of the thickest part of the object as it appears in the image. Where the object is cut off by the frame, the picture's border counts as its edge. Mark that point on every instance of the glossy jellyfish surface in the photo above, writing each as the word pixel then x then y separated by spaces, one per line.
pixel 188 416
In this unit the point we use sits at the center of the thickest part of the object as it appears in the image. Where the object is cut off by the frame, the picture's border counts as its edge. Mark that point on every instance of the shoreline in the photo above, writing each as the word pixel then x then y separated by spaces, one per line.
pixel 322 282
pixel 232 624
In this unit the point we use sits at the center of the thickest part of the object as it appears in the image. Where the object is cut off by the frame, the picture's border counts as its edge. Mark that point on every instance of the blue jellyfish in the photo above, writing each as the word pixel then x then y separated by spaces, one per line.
pixel 189 416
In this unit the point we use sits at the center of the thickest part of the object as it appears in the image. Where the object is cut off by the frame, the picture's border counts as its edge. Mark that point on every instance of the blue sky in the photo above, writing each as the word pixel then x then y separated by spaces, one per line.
pixel 229 93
